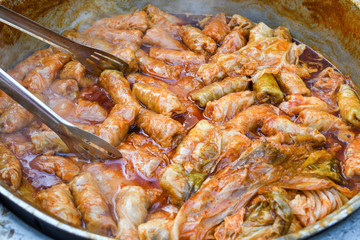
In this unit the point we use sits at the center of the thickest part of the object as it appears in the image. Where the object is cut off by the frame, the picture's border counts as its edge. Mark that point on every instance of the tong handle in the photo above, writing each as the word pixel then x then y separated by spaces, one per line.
pixel 34 29
pixel 26 99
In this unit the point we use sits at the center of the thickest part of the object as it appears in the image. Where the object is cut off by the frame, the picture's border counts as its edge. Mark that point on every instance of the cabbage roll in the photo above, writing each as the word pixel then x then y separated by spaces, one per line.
pixel 156 67
pixel 164 130
pixel 24 67
pixel 136 20
pixel 240 21
pixel 115 127
pixel 90 111
pixel 291 83
pixel 158 37
pixel 141 78
pixel 160 100
pixel 251 118
pixel 118 87
pixel 128 55
pixel 40 79
pixel 218 150
pixel 177 57
pixel 196 135
pixel 10 168
pixel 283 32
pixel 115 36
pixel 5 102
pixel 311 206
pixel 326 87
pixel 62 167
pixel 15 118
pixel 75 70
pixel 296 103
pixel 48 141
pixel 260 31
pixel 326 122
pixel 352 159
pixel 235 40
pixel 143 161
pixel 217 90
pixel 197 41
pixel 58 201
pixel 211 72
pixel 216 27
pixel 92 205
pixel 109 178
pixel 227 107
pixel 267 89
pixel 18 143
pixel 151 9
pixel 67 88
pixel 275 124
pixel 175 185
pixel 349 105
pixel 64 107
pixel 158 229
pixel 131 208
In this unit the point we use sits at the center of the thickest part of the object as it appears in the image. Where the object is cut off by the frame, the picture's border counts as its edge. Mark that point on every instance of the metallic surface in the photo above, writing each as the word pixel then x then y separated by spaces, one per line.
pixel 330 26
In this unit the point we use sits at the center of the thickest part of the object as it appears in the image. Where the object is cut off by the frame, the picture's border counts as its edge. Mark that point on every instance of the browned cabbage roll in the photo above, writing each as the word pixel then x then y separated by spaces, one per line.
pixel 132 204
pixel 115 36
pixel 283 32
pixel 151 9
pixel 136 20
pixel 90 111
pixel 75 70
pixel 217 90
pixel 352 159
pixel 48 140
pixel 15 118
pixel 92 205
pixel 296 103
pixel 26 66
pixel 349 105
pixel 141 78
pixel 67 88
pixel 216 27
pixel 5 102
pixel 276 124
pixel 235 40
pixel 291 83
pixel 228 106
pixel 260 31
pixel 157 36
pixel 251 118
pixel 177 57
pixel 267 89
pixel 118 87
pixel 115 127
pixel 197 40
pixel 40 79
pixel 143 161
pixel 240 21
pixel 157 68
pixel 196 135
pixel 164 130
pixel 326 122
pixel 160 100
pixel 62 167
pixel 58 201
pixel 128 55
pixel 10 168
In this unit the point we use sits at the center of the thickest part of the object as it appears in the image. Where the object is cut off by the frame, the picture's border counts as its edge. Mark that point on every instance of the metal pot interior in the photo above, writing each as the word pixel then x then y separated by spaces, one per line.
pixel 330 27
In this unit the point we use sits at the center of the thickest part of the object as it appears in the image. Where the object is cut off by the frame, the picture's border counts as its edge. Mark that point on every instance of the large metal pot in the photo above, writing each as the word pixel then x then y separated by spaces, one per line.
pixel 330 26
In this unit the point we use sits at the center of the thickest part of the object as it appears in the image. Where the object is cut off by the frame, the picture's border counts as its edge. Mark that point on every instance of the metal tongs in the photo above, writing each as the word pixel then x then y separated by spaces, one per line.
pixel 78 141
pixel 93 59
pixel 84 144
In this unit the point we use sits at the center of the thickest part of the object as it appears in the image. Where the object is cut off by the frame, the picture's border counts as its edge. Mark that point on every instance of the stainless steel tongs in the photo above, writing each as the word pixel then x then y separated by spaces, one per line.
pixel 84 144
pixel 93 59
